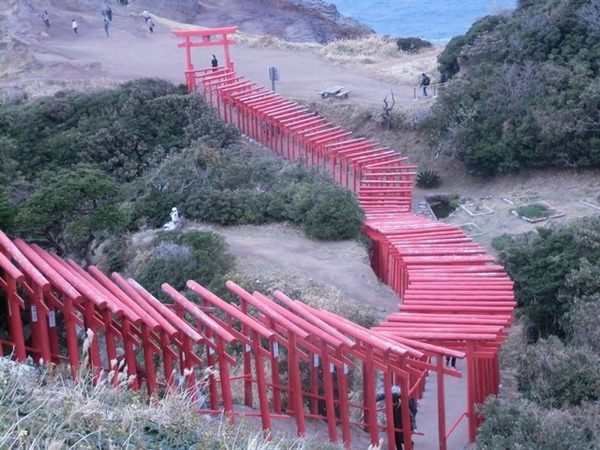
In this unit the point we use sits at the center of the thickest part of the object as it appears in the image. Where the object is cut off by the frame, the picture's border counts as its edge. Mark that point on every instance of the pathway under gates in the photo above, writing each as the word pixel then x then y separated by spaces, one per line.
pixel 451 293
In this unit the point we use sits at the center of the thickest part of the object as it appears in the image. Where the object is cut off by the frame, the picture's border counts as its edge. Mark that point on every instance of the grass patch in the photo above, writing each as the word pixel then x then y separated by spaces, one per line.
pixel 534 211
pixel 367 50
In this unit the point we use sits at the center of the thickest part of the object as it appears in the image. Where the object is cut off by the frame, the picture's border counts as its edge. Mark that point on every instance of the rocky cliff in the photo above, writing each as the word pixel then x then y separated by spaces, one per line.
pixel 293 20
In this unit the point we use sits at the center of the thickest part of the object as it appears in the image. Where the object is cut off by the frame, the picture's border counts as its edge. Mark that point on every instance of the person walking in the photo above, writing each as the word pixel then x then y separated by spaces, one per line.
pixel 74 26
pixel 45 18
pixel 425 80
pixel 107 12
pixel 397 409
pixel 146 15
pixel 106 25
pixel 214 62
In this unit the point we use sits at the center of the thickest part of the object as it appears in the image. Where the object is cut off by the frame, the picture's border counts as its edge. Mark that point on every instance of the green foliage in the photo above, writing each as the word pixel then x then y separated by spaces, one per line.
pixel 528 91
pixel 501 242
pixel 7 212
pixel 233 186
pixel 428 179
pixel 334 215
pixel 548 269
pixel 180 256
pixel 412 44
pixel 151 207
pixel 123 130
pixel 524 425
pixel 533 211
pixel 555 375
pixel 71 209
pixel 583 324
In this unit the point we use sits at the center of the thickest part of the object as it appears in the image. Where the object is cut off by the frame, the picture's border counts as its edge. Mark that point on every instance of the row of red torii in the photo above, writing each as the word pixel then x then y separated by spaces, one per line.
pixel 297 362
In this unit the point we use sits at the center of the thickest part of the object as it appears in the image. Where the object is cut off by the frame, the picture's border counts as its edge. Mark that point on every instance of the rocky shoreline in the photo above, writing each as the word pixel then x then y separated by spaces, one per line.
pixel 292 20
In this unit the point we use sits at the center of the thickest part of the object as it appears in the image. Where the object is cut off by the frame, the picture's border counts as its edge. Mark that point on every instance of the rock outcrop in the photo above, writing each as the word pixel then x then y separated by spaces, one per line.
pixel 292 20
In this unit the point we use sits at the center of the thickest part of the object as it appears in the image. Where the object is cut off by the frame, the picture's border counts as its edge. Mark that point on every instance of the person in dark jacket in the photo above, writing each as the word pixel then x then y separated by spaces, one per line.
pixel 107 12
pixel 425 80
pixel 214 62
pixel 397 409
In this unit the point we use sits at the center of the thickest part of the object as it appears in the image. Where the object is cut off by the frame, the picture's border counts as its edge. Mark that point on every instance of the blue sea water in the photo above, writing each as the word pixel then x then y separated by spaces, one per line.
pixel 436 21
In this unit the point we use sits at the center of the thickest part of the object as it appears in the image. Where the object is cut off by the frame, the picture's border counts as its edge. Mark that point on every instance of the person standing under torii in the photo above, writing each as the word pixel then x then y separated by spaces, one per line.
pixel 397 411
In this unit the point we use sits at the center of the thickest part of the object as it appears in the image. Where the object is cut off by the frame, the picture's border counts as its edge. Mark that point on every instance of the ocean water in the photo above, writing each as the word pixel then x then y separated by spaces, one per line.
pixel 436 21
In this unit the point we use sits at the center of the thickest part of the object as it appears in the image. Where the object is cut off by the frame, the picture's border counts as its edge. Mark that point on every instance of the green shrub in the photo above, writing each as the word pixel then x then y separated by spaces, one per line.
pixel 493 120
pixel 180 256
pixel 428 179
pixel 121 130
pixel 334 215
pixel 151 208
pixel 412 44
pixel 533 211
pixel 524 425
pixel 501 242
pixel 556 376
pixel 543 266
pixel 7 212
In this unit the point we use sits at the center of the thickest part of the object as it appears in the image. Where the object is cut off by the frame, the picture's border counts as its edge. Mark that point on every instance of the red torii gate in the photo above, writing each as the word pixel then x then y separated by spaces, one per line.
pixel 123 315
pixel 403 243
pixel 206 40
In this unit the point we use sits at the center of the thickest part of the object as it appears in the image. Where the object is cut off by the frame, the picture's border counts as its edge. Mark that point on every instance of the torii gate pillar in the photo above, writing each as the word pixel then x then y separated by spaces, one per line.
pixel 208 37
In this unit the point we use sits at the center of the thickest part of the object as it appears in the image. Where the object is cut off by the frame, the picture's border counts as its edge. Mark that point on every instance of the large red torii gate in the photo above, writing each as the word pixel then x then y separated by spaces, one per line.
pixel 209 37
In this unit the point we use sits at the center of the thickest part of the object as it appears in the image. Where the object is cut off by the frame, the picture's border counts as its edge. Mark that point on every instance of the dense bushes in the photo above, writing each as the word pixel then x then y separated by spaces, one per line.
pixel 528 91
pixel 524 425
pixel 70 209
pixel 177 257
pixel 236 186
pixel 555 375
pixel 551 270
pixel 122 131
pixel 153 147
pixel 412 44
pixel 557 286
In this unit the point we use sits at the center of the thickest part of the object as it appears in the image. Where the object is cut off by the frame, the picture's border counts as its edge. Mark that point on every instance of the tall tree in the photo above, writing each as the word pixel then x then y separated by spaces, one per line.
pixel 71 209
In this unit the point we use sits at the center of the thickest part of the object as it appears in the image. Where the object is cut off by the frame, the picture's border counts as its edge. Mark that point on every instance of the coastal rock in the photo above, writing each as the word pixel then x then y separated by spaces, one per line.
pixel 292 20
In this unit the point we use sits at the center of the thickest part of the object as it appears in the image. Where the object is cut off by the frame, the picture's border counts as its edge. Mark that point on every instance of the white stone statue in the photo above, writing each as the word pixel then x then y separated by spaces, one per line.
pixel 175 221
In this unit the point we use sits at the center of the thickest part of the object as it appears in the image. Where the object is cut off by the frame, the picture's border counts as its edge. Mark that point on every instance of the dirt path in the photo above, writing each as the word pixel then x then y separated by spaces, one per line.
pixel 132 51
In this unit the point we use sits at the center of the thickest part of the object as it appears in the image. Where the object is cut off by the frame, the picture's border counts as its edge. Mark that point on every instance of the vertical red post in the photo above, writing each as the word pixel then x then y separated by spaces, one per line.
pixel 441 397
pixel 15 325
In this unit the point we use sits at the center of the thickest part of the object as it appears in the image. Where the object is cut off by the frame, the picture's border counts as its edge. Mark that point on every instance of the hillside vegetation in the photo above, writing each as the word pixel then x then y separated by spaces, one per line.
pixel 82 168
pixel 524 94
pixel 524 90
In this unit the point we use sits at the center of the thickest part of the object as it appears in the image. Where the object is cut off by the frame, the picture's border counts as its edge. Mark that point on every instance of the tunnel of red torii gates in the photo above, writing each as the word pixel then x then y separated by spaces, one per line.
pixel 296 362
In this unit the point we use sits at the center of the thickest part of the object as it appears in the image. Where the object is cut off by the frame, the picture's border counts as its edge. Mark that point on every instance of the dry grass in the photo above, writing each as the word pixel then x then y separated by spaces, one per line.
pixel 266 41
pixel 367 50
pixel 44 407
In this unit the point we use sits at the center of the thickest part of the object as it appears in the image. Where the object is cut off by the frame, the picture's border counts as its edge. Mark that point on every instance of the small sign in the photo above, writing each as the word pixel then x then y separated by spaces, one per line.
pixel 276 349
pixel 34 316
pixel 273 76
pixel 52 319
pixel 331 368
pixel 315 360
pixel 273 73
pixel 346 369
